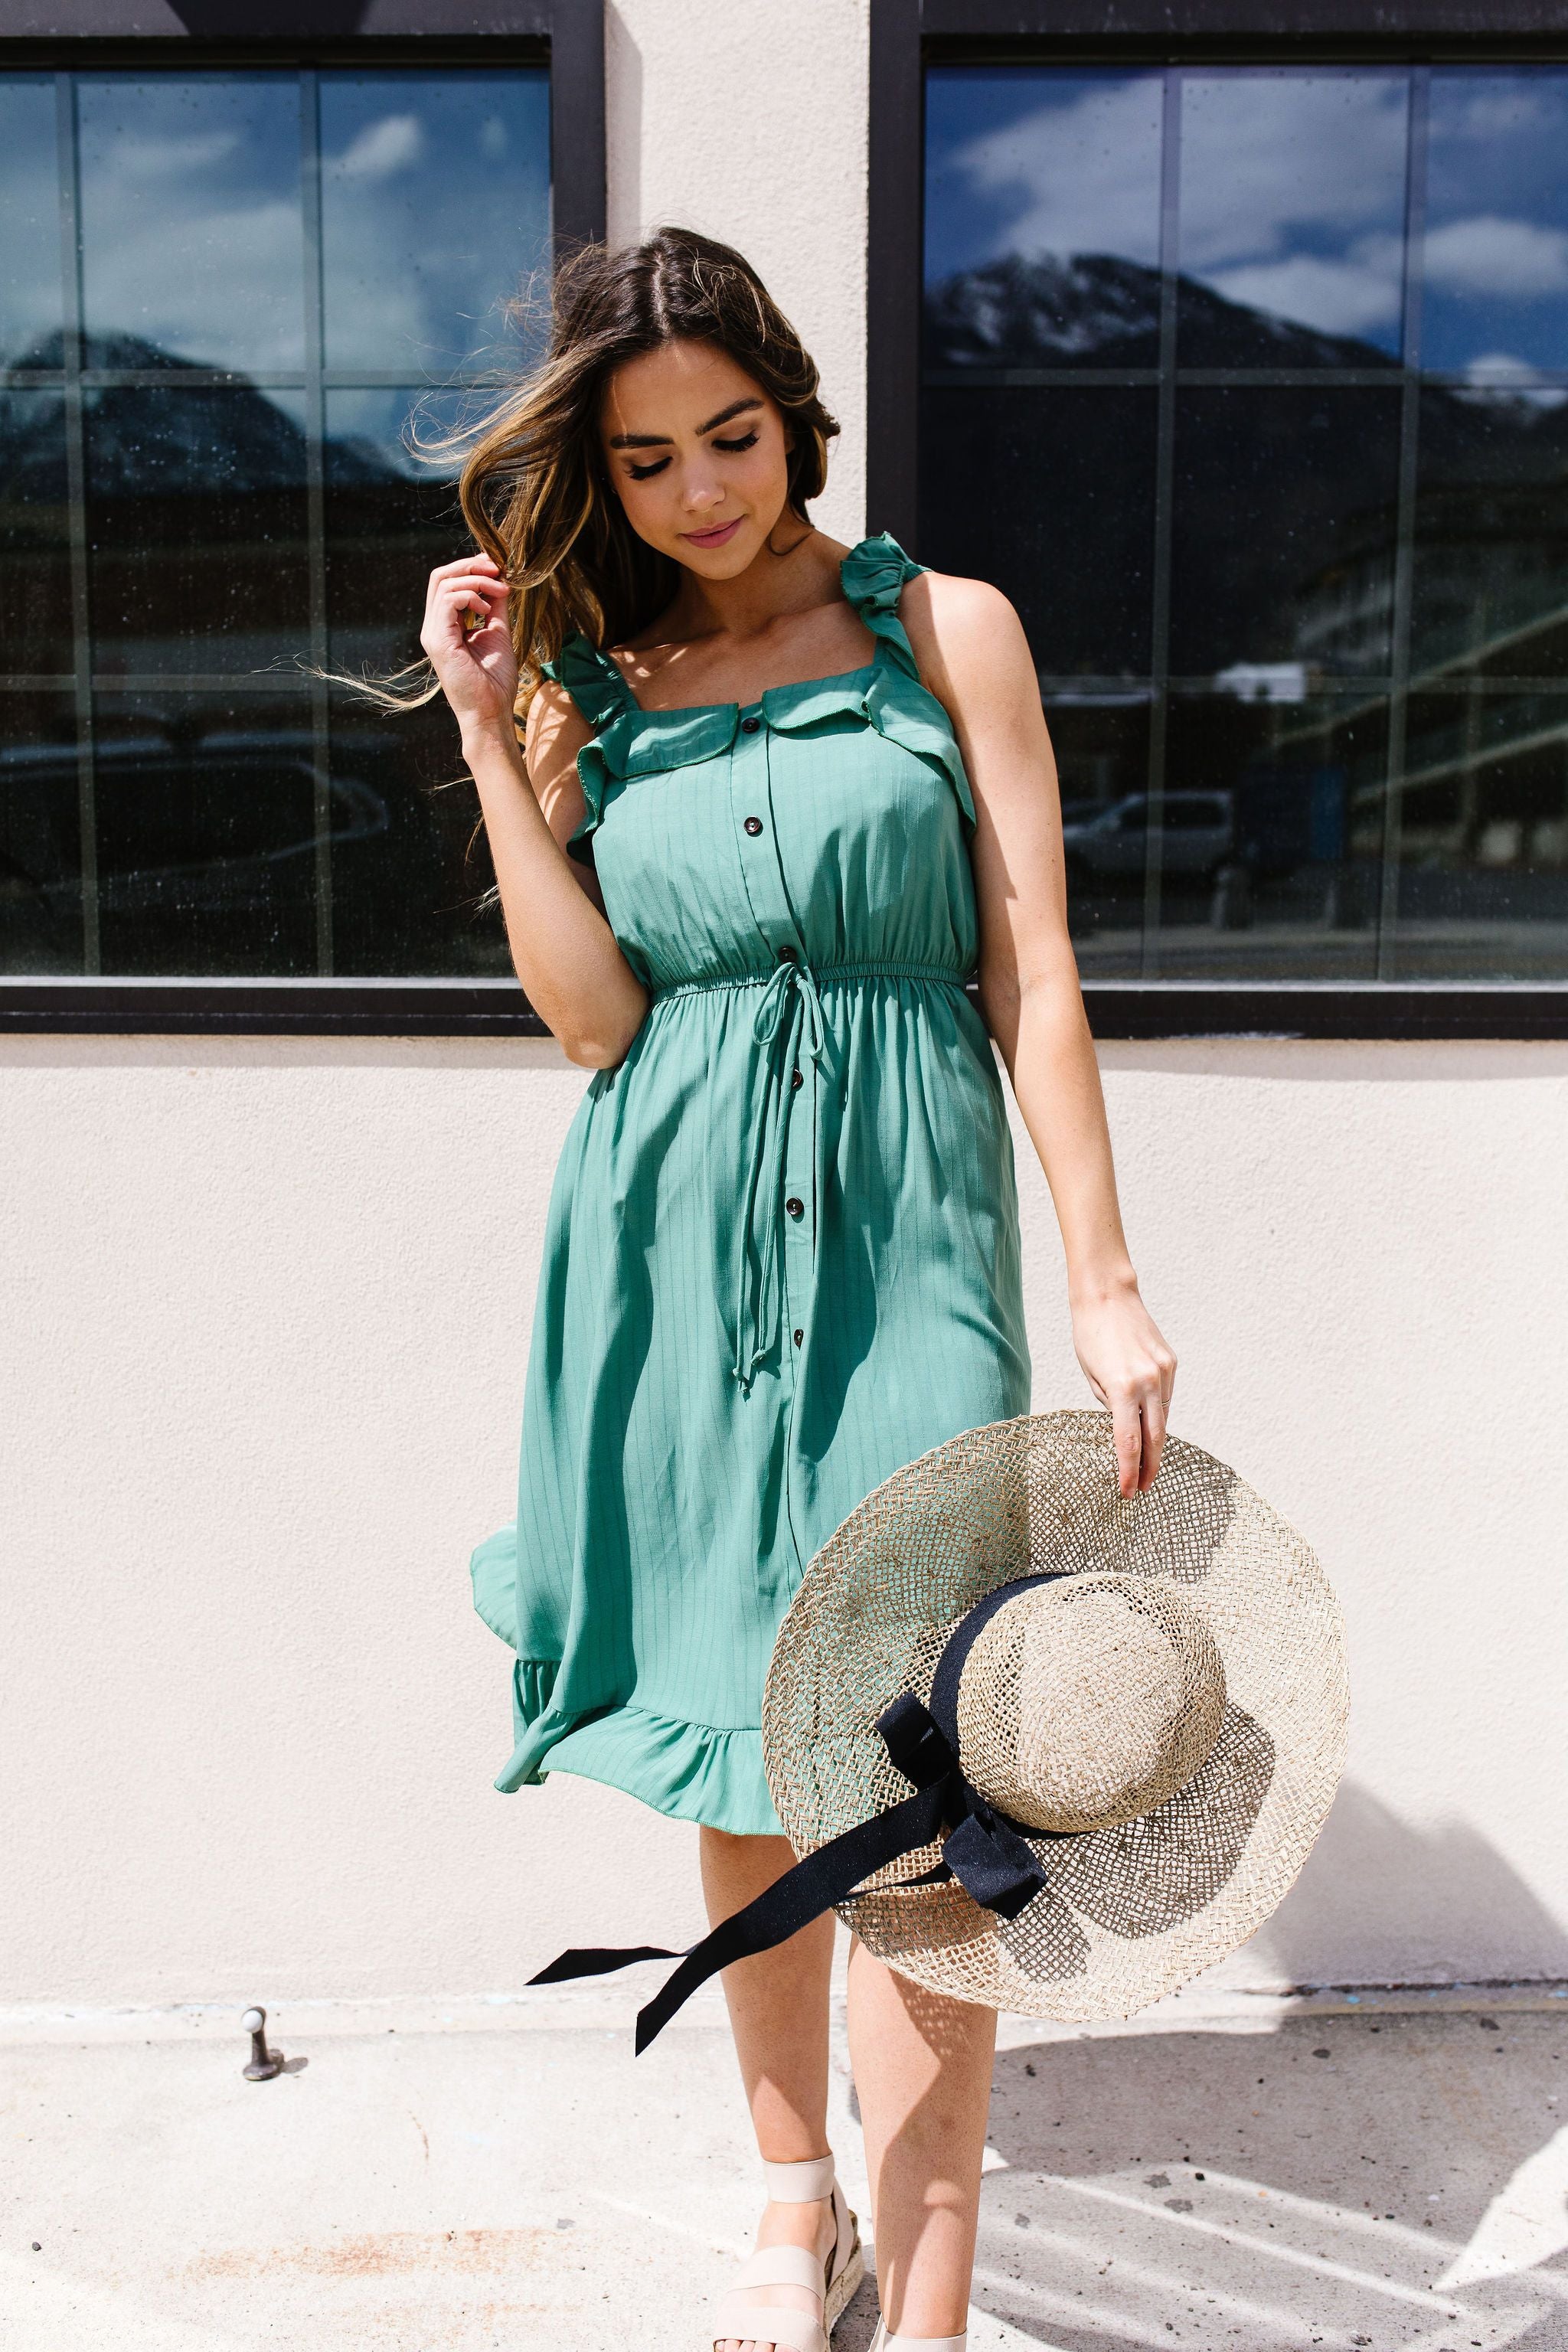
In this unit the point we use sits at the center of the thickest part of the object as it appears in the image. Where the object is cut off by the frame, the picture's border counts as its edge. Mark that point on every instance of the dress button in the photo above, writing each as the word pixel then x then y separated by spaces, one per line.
pixel 754 826
pixel 749 726
pixel 793 1208
pixel 795 1077
pixel 797 1336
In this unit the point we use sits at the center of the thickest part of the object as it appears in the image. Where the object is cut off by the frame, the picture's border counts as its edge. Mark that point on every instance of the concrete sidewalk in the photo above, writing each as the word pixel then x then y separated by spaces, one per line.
pixel 1381 2175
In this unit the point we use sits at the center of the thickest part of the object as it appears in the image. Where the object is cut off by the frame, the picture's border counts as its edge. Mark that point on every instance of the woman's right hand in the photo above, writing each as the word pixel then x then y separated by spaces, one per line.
pixel 476 667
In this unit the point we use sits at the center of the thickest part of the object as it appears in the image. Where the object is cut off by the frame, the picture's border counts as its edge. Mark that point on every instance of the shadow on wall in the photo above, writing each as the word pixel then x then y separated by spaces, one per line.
pixel 1382 1902
pixel 1389 2181
pixel 623 101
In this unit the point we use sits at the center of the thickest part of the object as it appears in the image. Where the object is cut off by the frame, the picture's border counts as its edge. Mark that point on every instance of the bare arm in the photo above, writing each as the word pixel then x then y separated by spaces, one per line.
pixel 973 655
pixel 563 950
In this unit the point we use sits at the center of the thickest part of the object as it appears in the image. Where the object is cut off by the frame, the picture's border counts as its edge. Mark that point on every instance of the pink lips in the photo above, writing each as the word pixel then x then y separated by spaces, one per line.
pixel 718 537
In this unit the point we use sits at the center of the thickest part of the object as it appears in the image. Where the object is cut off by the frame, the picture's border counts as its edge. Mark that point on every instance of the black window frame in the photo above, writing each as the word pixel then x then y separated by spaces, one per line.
pixel 909 36
pixel 568 37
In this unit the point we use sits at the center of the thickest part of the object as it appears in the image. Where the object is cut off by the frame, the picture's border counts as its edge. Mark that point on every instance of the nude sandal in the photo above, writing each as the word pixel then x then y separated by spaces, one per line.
pixel 883 2342
pixel 835 2280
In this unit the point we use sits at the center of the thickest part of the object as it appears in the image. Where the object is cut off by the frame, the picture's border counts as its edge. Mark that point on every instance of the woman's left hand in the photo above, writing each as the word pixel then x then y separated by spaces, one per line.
pixel 1131 1371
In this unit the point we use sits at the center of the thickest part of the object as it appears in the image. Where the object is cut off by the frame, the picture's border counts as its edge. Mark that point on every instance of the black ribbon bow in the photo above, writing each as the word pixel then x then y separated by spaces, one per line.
pixel 987 1851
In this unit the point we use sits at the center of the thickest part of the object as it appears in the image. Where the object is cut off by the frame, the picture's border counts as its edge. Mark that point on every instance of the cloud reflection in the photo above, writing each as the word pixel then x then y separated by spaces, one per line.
pixel 194 226
pixel 1292 193
pixel 380 149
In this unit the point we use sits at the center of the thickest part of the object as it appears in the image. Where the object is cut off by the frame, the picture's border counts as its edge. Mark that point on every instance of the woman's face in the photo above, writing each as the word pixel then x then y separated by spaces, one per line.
pixel 698 453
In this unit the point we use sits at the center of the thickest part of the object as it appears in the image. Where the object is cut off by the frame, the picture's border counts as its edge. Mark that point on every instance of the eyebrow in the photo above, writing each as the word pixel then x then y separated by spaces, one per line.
pixel 662 440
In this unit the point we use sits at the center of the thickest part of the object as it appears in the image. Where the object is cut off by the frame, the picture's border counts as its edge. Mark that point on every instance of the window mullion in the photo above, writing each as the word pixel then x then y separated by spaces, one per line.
pixel 1405 520
pixel 66 149
pixel 1164 477
pixel 315 504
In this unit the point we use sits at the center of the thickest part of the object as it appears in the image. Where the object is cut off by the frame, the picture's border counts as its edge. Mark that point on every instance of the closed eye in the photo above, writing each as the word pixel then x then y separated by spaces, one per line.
pixel 656 466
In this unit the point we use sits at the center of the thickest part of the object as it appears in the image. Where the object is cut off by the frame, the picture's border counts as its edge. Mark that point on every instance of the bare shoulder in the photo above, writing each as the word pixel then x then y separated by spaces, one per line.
pixel 966 635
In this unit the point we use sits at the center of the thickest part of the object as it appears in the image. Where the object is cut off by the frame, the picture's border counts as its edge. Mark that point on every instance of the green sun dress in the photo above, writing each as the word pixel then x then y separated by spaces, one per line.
pixel 782 1251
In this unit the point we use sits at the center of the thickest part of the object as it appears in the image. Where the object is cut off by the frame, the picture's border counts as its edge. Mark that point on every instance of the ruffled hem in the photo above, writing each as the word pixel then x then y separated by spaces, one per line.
pixel 493 1566
pixel 689 1770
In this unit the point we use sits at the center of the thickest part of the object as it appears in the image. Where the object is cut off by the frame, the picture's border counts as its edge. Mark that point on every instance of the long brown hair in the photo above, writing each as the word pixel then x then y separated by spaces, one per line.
pixel 534 488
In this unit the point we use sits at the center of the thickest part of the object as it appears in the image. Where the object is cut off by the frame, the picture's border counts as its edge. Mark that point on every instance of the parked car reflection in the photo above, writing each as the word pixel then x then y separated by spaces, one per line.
pixel 207 839
pixel 1110 848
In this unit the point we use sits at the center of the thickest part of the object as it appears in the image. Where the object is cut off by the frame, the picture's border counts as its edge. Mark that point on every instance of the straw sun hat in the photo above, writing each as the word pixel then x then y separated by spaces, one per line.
pixel 1123 1722
pixel 1164 1721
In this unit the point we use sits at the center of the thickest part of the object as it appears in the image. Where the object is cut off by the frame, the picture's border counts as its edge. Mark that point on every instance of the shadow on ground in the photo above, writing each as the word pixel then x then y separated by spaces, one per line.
pixel 1369 2182
pixel 1385 2181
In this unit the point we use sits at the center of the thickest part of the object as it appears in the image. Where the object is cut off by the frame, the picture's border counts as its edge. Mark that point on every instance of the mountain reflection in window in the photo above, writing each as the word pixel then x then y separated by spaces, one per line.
pixel 1280 493
pixel 209 486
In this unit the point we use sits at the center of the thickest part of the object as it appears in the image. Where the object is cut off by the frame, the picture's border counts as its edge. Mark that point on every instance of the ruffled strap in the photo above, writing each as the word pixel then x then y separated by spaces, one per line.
pixel 602 697
pixel 898 702
pixel 593 681
pixel 874 574
pixel 593 776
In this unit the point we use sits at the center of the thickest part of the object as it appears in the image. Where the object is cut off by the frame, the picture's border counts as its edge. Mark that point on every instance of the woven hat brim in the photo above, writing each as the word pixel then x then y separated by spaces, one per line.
pixel 1130 1913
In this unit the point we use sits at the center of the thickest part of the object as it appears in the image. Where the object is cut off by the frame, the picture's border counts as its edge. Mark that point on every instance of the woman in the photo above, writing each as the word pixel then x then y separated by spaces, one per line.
pixel 775 799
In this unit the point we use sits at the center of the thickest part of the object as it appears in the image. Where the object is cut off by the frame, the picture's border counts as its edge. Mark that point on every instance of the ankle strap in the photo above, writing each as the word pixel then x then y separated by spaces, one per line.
pixel 800 2184
pixel 883 2342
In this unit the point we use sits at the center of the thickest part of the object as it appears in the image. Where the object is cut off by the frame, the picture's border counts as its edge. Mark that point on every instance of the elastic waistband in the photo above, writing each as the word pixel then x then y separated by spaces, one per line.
pixel 945 974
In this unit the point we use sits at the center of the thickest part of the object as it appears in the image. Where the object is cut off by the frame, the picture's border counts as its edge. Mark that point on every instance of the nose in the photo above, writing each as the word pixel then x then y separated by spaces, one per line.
pixel 701 492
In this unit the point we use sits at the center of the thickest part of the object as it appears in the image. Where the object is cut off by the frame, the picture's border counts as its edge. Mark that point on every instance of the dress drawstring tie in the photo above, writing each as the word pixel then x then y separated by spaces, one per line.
pixel 789 1027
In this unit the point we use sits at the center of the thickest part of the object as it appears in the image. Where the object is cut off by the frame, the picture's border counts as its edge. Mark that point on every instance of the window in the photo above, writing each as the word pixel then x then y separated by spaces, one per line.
pixel 1248 382
pixel 241 294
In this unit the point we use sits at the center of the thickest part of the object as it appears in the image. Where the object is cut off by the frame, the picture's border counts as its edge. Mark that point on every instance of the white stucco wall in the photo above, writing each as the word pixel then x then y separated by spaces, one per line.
pixel 267 1314
pixel 265 1308
pixel 750 124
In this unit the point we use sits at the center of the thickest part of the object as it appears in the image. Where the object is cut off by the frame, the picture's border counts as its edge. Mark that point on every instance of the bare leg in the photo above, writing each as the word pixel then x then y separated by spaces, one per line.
pixel 778 2013
pixel 922 2068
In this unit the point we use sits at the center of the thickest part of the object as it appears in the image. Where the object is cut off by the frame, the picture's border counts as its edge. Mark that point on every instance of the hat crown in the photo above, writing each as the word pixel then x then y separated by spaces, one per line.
pixel 1089 1700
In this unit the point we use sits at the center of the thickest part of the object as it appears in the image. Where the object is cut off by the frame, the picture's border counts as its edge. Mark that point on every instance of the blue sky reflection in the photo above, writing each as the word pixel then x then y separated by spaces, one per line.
pixel 1291 195
pixel 435 212
pixel 1497 223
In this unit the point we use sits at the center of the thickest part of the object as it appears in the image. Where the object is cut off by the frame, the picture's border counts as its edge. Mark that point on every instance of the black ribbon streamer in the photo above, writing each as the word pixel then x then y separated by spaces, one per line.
pixel 987 1851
